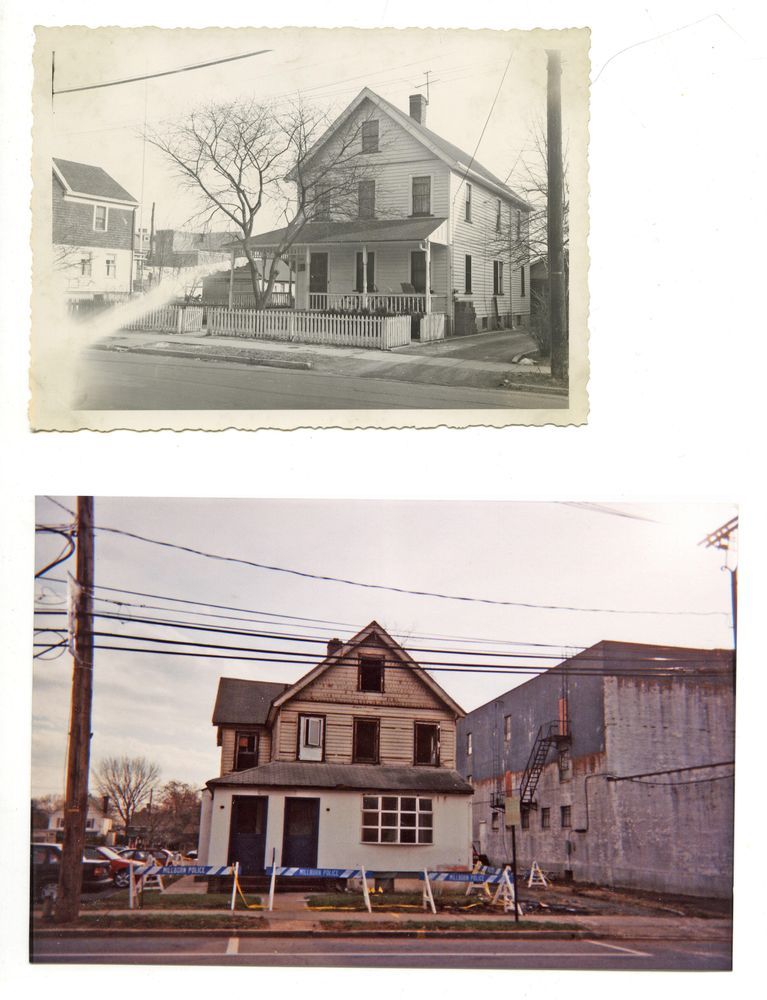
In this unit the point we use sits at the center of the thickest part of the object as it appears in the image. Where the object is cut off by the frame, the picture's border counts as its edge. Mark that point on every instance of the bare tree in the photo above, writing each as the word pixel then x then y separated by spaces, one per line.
pixel 128 782
pixel 175 816
pixel 238 157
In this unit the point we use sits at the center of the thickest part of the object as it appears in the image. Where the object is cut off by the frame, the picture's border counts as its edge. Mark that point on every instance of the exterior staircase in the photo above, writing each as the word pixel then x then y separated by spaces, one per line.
pixel 550 735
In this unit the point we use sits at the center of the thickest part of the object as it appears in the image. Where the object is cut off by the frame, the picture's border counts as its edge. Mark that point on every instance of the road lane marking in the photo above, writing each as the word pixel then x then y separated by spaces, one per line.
pixel 628 951
pixel 233 946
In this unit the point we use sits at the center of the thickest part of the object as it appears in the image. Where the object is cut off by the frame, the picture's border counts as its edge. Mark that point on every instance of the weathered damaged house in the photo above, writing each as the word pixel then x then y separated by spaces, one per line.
pixel 615 767
pixel 352 764
pixel 420 206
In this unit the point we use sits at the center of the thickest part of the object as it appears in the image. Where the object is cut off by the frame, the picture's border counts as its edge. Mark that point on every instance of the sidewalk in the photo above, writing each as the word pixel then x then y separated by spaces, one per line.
pixel 431 364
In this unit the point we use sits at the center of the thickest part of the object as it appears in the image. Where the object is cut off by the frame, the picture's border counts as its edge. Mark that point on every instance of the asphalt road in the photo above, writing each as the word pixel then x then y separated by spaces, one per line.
pixel 117 381
pixel 432 953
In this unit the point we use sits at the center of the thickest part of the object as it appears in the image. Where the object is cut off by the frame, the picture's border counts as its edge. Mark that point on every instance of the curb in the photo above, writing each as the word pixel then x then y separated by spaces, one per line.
pixel 191 356
pixel 71 932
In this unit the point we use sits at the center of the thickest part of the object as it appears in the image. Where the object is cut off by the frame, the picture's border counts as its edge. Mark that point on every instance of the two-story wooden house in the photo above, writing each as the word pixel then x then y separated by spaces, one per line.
pixel 353 764
pixel 93 232
pixel 421 206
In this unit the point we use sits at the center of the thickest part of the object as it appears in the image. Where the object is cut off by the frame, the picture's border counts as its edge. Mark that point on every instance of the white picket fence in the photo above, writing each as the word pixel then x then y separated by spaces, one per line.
pixel 381 332
pixel 169 319
pixel 432 327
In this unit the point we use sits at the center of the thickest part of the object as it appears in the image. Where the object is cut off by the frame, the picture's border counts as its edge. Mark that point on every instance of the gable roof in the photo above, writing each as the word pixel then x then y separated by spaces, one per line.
pixel 383 638
pixel 90 181
pixel 241 702
pixel 456 158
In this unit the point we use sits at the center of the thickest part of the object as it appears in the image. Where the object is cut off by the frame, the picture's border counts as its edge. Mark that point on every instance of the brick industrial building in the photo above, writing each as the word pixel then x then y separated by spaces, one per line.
pixel 621 760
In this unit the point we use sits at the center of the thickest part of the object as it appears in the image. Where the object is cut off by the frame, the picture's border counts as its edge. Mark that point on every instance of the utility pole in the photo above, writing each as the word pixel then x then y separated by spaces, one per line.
pixel 555 217
pixel 722 538
pixel 78 757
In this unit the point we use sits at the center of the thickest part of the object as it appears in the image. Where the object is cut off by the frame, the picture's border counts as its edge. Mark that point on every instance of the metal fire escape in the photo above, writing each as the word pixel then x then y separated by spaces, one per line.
pixel 550 735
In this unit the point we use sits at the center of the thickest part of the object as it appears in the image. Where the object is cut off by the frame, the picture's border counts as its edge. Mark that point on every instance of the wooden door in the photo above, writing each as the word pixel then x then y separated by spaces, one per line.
pixel 318 273
pixel 247 833
pixel 301 833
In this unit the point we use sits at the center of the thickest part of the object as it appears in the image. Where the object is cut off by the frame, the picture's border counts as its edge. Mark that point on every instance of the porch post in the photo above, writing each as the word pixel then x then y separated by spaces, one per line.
pixel 427 305
pixel 291 299
pixel 231 280
pixel 307 267
pixel 263 275
pixel 364 276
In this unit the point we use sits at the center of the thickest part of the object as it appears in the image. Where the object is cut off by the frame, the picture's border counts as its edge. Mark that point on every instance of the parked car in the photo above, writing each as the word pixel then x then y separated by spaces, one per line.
pixel 46 865
pixel 119 867
pixel 134 854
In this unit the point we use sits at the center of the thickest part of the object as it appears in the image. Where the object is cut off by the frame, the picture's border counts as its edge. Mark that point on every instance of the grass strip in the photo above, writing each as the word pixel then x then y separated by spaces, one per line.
pixel 172 921
pixel 168 901
pixel 449 925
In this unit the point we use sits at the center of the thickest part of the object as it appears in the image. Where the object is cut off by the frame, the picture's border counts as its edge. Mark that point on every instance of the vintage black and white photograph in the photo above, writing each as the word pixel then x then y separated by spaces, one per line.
pixel 455 735
pixel 309 227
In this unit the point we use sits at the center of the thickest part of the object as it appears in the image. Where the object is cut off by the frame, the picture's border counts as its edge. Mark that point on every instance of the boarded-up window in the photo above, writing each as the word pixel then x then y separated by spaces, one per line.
pixel 370 137
pixel 426 743
pixel 371 674
pixel 397 819
pixel 422 196
pixel 365 741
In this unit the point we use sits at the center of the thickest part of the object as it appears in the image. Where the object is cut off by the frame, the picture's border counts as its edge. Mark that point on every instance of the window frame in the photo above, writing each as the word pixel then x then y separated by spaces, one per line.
pixel 524 819
pixel 376 758
pixel 370 184
pixel 432 725
pixel 105 227
pixel 498 215
pixel 519 224
pixel 86 266
pixel 545 817
pixel 565 813
pixel 246 734
pixel 522 292
pixel 392 806
pixel 498 278
pixel 467 275
pixel 300 730
pixel 322 205
pixel 507 729
pixel 467 203
pixel 469 745
pixel 111 267
pixel 381 662
pixel 370 143
pixel 413 179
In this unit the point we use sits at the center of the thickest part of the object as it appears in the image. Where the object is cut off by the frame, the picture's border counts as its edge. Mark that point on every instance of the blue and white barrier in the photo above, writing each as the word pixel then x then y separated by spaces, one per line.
pixel 142 870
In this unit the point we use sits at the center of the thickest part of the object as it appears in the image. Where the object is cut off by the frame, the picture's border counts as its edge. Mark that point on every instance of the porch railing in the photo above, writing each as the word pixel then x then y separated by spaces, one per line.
pixel 394 302
pixel 380 332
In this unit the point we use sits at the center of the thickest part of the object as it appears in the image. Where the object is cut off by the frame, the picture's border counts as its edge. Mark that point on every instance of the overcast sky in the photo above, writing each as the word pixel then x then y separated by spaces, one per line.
pixel 581 556
pixel 326 67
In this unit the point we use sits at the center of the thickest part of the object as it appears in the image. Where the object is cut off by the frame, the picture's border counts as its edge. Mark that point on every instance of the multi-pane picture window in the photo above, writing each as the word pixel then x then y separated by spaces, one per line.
pixel 422 196
pixel 246 751
pixel 426 743
pixel 397 819
pixel 365 750
pixel 100 218
pixel 370 137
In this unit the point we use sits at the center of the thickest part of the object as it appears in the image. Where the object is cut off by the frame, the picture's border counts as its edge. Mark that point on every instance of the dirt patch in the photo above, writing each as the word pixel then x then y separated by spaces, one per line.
pixel 583 898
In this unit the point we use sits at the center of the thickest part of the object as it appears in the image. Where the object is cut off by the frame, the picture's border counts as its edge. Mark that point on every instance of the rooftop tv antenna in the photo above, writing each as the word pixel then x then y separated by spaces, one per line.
pixel 420 86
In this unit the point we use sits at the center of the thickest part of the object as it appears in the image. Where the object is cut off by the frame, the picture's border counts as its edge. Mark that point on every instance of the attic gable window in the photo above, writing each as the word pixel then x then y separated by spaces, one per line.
pixel 370 136
pixel 100 218
pixel 426 744
pixel 246 751
pixel 370 676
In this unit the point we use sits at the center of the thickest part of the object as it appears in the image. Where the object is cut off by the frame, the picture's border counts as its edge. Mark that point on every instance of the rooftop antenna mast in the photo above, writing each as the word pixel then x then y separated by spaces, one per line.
pixel 420 86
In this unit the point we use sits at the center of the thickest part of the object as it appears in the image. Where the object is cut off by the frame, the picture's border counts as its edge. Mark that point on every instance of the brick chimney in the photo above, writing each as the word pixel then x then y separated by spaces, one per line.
pixel 418 108
pixel 333 646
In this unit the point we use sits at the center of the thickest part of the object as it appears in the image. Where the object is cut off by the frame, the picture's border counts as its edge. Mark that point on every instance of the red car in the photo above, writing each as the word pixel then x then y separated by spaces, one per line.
pixel 119 866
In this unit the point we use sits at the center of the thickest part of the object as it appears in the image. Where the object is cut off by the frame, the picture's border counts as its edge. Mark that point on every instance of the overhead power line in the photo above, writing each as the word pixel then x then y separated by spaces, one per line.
pixel 154 76
pixel 327 578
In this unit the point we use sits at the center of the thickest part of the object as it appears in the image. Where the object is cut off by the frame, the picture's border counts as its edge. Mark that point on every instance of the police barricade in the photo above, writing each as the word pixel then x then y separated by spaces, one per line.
pixel 500 877
pixel 140 873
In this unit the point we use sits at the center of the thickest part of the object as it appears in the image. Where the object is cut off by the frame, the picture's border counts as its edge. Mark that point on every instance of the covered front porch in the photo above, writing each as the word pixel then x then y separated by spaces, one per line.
pixel 370 267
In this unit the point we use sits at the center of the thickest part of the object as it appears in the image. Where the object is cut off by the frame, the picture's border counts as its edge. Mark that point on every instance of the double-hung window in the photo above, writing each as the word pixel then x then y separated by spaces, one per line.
pixel 467 274
pixel 468 202
pixel 522 281
pixel 245 751
pixel 370 137
pixel 497 277
pixel 111 267
pixel 100 218
pixel 422 196
pixel 322 202
pixel 498 216
pixel 365 749
pixel 311 737
pixel 426 744
pixel 397 819
pixel 366 195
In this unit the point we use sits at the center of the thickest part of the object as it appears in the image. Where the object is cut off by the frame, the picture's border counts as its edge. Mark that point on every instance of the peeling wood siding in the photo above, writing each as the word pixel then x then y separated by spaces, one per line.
pixel 228 740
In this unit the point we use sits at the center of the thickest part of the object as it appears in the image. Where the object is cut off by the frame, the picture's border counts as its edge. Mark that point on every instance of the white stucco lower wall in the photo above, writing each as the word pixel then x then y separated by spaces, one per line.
pixel 203 839
pixel 340 831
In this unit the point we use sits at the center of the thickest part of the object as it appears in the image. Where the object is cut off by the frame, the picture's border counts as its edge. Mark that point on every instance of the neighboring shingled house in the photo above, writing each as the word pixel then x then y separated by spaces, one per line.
pixel 93 222
pixel 353 764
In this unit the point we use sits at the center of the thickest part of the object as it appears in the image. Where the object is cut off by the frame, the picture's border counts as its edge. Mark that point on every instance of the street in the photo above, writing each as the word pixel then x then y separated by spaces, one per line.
pixel 383 952
pixel 123 381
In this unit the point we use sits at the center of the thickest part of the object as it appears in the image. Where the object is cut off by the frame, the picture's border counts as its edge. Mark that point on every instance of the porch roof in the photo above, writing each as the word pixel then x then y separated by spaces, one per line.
pixel 370 777
pixel 356 231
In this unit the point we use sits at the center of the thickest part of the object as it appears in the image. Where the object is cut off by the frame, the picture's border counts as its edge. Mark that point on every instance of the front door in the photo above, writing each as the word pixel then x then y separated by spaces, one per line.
pixel 318 273
pixel 301 831
pixel 247 833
